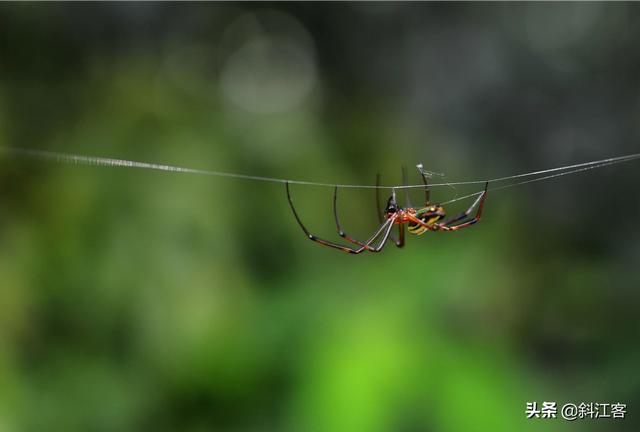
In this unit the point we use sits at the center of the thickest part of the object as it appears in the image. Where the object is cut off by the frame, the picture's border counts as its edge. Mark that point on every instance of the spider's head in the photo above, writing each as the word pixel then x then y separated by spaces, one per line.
pixel 431 214
pixel 392 205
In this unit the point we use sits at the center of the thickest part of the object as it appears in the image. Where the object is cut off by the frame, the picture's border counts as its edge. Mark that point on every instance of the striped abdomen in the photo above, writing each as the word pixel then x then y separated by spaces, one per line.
pixel 416 229
pixel 429 216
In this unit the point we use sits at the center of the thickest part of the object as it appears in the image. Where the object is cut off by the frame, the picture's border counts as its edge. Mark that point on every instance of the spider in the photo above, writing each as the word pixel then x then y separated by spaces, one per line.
pixel 428 218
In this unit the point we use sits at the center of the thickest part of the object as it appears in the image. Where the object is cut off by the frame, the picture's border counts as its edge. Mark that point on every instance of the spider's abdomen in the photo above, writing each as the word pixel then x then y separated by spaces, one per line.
pixel 416 229
pixel 429 216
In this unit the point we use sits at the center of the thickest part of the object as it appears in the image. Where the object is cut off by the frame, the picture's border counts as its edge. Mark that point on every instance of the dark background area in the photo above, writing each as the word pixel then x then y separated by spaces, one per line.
pixel 135 300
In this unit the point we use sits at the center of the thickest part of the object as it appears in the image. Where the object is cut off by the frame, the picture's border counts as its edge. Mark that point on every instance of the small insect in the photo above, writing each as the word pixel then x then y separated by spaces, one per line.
pixel 431 217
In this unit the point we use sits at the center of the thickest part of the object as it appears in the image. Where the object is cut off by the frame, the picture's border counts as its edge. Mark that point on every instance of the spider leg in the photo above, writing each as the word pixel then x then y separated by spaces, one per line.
pixel 466 213
pixel 479 202
pixel 341 232
pixel 347 237
pixel 405 182
pixel 398 243
pixel 385 237
pixel 427 192
pixel 446 226
pixel 386 225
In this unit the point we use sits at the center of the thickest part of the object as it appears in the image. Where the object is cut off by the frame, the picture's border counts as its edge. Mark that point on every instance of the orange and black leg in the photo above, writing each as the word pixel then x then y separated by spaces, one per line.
pixel 341 232
pixel 399 243
pixel 347 237
pixel 384 229
pixel 426 188
pixel 446 225
pixel 405 182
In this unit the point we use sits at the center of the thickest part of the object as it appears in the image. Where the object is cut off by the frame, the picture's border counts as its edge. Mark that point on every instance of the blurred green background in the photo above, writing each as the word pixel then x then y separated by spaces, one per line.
pixel 141 300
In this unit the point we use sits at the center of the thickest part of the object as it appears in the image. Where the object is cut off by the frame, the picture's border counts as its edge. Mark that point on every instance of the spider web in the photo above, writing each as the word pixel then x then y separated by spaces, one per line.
pixel 525 178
